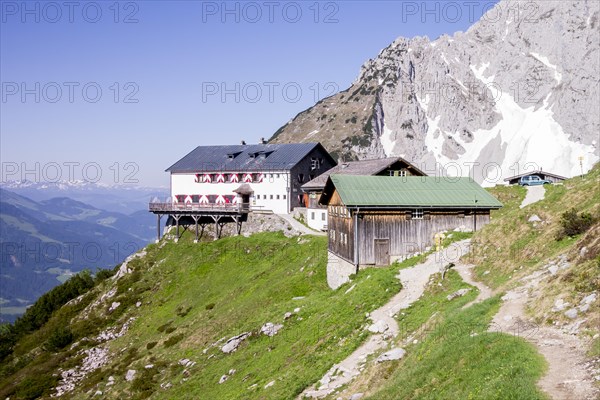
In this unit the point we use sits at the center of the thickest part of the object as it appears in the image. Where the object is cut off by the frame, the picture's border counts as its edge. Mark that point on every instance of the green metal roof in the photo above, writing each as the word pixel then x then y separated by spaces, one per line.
pixel 411 191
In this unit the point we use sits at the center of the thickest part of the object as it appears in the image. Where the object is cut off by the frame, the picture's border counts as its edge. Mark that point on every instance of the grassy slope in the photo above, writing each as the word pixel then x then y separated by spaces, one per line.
pixel 511 246
pixel 195 294
pixel 252 281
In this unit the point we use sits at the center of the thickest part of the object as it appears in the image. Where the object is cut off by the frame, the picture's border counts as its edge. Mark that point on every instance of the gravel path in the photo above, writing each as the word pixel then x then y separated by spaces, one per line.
pixel 567 377
pixel 384 327
pixel 298 226
pixel 534 194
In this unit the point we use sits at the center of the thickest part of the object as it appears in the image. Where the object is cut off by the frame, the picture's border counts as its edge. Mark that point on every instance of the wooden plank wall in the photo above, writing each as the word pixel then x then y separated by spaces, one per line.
pixel 407 235
pixel 340 225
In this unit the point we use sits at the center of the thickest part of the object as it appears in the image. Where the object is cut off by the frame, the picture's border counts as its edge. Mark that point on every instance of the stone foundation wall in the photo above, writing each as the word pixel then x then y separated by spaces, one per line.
pixel 338 270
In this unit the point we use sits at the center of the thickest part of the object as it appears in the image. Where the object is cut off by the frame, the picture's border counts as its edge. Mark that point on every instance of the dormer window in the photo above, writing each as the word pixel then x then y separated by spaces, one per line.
pixel 315 163
pixel 233 155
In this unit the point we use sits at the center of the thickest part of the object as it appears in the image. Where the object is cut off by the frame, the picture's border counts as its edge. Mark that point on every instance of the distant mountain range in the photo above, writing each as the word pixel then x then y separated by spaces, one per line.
pixel 518 91
pixel 118 198
pixel 43 242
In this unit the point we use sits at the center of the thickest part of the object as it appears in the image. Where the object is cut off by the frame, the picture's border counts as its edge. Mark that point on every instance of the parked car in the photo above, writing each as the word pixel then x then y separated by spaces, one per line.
pixel 533 180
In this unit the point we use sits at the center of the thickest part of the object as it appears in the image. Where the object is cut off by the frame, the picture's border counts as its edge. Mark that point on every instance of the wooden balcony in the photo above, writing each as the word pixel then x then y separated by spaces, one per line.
pixel 197 208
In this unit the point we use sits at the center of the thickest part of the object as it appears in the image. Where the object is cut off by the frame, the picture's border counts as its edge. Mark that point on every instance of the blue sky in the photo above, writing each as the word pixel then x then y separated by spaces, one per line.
pixel 118 91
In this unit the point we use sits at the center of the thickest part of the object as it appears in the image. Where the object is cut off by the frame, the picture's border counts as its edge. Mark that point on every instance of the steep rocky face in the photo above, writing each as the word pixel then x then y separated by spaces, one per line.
pixel 519 90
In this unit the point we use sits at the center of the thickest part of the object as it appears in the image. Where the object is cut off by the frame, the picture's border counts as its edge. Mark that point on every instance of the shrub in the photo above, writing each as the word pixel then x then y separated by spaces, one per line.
pixel 151 345
pixel 103 274
pixel 35 386
pixel 573 223
pixel 164 327
pixel 182 311
pixel 58 339
pixel 144 384
pixel 173 340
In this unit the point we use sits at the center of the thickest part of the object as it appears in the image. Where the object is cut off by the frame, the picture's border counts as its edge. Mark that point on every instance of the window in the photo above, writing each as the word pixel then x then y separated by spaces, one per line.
pixel 271 197
pixel 300 178
pixel 284 196
pixel 322 216
pixel 276 175
pixel 314 163
pixel 277 197
pixel 312 215
pixel 401 172
pixel 417 214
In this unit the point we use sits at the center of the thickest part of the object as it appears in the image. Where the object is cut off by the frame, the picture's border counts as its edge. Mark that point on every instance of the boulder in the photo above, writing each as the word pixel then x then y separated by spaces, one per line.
pixel 378 327
pixel 458 293
pixel 572 313
pixel 394 354
pixel 589 299
pixel 233 343
pixel 560 305
pixel 130 375
pixel 270 329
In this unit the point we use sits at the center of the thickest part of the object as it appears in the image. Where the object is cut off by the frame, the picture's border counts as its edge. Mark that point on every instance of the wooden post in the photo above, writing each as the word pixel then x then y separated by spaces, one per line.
pixel 176 217
pixel 158 217
pixel 196 217
pixel 238 223
pixel 356 251
pixel 216 218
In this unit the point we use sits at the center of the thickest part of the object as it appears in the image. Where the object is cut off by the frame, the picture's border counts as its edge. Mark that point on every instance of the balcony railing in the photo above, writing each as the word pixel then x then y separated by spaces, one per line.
pixel 179 207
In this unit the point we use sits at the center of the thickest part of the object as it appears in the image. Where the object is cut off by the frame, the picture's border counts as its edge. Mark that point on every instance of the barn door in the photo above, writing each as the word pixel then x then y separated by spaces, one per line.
pixel 382 251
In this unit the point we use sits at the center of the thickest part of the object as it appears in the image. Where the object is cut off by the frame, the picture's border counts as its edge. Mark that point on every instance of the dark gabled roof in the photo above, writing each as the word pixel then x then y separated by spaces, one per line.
pixel 363 167
pixel 252 157
pixel 538 172
pixel 408 192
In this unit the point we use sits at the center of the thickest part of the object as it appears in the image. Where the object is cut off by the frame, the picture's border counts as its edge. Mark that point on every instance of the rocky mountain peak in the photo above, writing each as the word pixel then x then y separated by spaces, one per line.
pixel 517 91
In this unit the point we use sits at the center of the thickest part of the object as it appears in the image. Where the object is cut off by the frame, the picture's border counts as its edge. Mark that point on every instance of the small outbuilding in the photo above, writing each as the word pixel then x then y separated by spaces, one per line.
pixel 514 180
pixel 375 220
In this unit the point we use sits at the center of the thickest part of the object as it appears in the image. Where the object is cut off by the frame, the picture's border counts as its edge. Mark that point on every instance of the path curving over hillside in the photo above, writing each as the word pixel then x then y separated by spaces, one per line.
pixel 566 377
pixel 385 327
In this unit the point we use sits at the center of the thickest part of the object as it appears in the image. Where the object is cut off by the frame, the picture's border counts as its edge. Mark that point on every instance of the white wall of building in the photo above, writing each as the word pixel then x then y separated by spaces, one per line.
pixel 272 194
pixel 316 218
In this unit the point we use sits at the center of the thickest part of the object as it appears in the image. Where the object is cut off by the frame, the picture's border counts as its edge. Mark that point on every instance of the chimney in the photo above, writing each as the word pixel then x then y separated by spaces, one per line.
pixel 263 141
pixel 243 142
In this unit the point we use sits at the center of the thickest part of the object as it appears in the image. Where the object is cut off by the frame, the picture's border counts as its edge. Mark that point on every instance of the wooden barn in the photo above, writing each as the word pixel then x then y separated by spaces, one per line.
pixel 374 220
